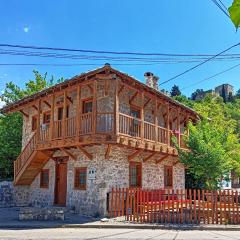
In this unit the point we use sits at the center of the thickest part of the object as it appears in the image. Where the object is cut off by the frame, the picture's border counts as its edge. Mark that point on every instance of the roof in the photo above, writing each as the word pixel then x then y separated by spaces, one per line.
pixel 80 78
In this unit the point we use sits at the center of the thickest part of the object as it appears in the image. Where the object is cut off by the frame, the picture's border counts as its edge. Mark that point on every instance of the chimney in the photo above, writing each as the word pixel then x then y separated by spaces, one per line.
pixel 151 80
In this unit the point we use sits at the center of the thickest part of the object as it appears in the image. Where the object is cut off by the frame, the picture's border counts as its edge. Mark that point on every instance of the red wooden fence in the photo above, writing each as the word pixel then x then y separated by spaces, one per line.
pixel 184 206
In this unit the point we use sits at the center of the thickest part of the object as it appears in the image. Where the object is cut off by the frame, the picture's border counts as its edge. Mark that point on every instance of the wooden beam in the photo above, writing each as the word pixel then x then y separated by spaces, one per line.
pixel 133 155
pixel 150 156
pixel 25 114
pixel 47 154
pixel 87 154
pixel 68 153
pixel 162 159
pixel 176 162
pixel 47 103
pixel 69 99
pixel 35 107
pixel 108 151
pixel 147 102
pixel 90 87
pixel 133 97
pixel 121 89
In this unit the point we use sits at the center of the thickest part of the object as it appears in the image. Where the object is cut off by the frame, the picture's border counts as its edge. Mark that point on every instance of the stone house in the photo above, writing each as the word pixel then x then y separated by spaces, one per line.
pixel 98 130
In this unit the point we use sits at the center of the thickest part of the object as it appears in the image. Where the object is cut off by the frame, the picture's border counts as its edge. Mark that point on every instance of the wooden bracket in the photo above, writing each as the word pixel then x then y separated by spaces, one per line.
pixel 25 114
pixel 121 89
pixel 68 153
pixel 147 102
pixel 47 103
pixel 90 87
pixel 133 97
pixel 108 151
pixel 69 99
pixel 47 154
pixel 35 107
pixel 133 155
pixel 162 159
pixel 150 156
pixel 176 162
pixel 87 154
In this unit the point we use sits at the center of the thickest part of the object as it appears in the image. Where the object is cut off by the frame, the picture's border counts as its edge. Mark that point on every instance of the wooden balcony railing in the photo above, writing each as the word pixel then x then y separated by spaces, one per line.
pixel 25 154
pixel 86 123
pixel 70 124
pixel 149 131
pixel 105 122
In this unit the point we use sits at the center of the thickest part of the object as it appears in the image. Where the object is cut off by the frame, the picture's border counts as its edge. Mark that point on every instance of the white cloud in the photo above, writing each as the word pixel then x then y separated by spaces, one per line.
pixel 26 29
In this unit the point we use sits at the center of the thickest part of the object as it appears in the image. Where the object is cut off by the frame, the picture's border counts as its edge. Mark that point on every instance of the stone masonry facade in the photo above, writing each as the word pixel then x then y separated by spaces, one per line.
pixel 112 172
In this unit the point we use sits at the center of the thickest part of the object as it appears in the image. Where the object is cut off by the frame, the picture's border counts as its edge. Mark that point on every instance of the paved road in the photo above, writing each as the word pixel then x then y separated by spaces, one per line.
pixel 118 234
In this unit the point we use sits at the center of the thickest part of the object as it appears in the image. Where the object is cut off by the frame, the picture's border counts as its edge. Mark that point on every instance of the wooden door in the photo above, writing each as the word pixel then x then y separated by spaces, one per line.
pixel 61 182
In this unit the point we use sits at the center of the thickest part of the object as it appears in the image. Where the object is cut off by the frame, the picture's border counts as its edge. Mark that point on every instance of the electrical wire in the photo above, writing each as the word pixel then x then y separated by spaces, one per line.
pixel 221 8
pixel 198 65
pixel 215 75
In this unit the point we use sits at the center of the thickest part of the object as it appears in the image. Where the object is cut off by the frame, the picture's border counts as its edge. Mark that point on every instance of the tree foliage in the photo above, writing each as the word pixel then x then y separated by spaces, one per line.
pixel 11 125
pixel 234 12
pixel 213 142
pixel 175 91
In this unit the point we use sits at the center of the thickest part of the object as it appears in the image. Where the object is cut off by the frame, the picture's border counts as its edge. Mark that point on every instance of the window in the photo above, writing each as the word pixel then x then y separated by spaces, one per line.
pixel 34 123
pixel 168 176
pixel 135 112
pixel 46 117
pixel 80 178
pixel 87 106
pixel 135 174
pixel 44 178
pixel 60 113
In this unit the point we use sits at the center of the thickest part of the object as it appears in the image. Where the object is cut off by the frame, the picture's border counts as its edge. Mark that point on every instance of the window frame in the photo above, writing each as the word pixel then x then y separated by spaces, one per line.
pixel 34 118
pixel 167 168
pixel 138 175
pixel 77 172
pixel 42 184
pixel 135 108
pixel 87 100
pixel 46 113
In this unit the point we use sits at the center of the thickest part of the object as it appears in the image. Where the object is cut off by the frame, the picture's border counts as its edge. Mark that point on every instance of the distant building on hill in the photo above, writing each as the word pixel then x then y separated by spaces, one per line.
pixel 226 91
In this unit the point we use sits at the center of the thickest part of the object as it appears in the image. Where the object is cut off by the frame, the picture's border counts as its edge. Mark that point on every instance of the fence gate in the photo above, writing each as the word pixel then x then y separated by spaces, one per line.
pixel 184 206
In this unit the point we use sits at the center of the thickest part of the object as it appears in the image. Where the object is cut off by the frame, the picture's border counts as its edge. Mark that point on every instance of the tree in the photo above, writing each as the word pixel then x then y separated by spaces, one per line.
pixel 234 12
pixel 237 94
pixel 197 93
pixel 175 91
pixel 213 143
pixel 11 125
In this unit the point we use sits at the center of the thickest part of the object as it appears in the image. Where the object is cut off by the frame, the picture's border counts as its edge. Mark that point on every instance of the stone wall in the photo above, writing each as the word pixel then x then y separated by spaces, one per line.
pixel 112 172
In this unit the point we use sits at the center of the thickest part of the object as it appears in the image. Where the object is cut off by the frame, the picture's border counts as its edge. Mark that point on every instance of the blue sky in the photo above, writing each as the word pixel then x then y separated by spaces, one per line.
pixel 176 26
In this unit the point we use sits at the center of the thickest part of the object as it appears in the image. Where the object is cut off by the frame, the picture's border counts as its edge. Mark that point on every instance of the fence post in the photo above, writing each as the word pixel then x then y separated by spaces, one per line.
pixel 127 204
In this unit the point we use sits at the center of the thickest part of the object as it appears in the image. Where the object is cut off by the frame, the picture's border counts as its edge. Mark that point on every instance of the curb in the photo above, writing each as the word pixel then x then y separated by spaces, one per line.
pixel 124 226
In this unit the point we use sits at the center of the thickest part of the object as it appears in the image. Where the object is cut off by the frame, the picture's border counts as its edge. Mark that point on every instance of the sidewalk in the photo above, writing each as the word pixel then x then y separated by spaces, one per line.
pixel 9 220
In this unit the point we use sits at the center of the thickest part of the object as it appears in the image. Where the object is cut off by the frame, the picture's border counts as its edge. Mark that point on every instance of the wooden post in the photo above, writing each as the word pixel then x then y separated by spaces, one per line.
pixel 156 121
pixel 52 117
pixel 78 112
pixel 64 113
pixel 38 121
pixel 142 116
pixel 116 108
pixel 94 106
pixel 178 127
pixel 168 125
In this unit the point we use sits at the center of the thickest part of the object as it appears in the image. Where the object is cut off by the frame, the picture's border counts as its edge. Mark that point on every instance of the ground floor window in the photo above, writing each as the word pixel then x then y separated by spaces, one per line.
pixel 168 176
pixel 80 181
pixel 44 178
pixel 135 174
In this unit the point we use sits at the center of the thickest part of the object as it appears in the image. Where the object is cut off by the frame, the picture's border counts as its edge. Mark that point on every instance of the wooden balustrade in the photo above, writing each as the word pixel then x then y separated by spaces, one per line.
pixel 25 154
pixel 162 135
pixel 57 129
pixel 44 133
pixel 86 123
pixel 70 127
pixel 129 125
pixel 105 122
pixel 149 131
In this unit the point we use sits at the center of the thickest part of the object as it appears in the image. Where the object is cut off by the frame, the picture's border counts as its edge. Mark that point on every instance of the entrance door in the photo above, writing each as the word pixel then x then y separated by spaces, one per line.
pixel 61 182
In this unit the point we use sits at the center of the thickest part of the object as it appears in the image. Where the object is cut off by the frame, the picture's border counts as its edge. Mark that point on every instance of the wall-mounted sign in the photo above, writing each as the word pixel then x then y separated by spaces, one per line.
pixel 92 173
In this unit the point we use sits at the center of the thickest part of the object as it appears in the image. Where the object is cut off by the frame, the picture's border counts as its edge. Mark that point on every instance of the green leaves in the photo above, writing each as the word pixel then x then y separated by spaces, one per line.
pixel 234 12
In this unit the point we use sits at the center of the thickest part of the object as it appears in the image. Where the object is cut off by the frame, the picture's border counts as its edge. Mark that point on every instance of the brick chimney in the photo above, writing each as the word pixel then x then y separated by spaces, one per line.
pixel 151 80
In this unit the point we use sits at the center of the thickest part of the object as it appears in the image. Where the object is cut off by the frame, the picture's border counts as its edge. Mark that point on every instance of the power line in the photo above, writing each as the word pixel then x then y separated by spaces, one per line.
pixel 220 7
pixel 215 75
pixel 103 52
pixel 198 65
pixel 70 65
pixel 223 5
